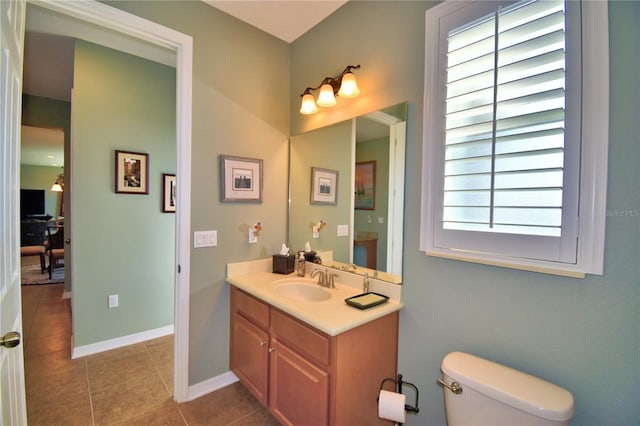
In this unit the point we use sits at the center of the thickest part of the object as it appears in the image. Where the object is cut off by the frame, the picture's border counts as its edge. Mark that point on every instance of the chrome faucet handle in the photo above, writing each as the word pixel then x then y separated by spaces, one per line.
pixel 330 281
pixel 321 278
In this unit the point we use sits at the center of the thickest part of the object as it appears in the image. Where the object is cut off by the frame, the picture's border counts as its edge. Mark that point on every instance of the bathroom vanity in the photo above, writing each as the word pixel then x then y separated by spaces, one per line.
pixel 311 362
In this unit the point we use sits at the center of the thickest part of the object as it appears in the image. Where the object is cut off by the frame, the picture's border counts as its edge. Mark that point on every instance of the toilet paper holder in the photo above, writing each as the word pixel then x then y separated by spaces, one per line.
pixel 399 385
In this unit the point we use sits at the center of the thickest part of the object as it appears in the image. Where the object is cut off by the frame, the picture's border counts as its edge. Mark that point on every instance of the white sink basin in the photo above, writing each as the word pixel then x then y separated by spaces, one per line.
pixel 302 290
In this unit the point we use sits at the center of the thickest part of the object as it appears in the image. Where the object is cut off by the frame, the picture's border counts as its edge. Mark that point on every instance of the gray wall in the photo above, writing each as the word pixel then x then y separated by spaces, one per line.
pixel 122 243
pixel 581 334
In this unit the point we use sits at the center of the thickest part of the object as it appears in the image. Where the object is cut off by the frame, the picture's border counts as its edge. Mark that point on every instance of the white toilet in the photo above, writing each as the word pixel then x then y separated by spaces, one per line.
pixel 493 394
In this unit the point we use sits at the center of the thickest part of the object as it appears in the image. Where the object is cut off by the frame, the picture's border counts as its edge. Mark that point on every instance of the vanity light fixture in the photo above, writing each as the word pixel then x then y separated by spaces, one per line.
pixel 344 85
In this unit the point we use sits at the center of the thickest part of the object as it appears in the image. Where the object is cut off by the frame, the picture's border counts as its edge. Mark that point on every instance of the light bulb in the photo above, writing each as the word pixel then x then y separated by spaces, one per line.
pixel 349 86
pixel 326 98
pixel 308 105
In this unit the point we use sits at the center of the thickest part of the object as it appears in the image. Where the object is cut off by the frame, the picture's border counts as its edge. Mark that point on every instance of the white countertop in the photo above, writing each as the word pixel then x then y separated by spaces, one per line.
pixel 332 316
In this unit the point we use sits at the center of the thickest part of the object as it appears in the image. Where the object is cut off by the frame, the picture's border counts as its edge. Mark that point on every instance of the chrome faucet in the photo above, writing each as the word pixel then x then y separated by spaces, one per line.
pixel 325 279
pixel 322 279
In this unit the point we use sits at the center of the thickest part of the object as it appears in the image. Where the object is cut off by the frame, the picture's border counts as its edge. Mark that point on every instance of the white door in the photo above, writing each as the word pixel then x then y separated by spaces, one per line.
pixel 13 407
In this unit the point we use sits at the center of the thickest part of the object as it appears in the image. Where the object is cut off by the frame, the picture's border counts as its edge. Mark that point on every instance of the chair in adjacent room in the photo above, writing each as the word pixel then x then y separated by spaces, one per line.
pixel 55 248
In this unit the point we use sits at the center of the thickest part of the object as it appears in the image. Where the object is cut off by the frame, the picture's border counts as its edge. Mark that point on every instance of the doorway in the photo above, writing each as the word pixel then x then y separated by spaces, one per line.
pixel 125 26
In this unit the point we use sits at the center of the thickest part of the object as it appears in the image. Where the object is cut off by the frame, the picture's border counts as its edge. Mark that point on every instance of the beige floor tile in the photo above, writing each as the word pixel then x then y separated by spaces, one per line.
pixel 55 330
pixel 57 386
pixel 221 407
pixel 44 345
pixel 165 414
pixel 127 401
pixel 137 367
pixel 69 412
pixel 261 417
pixel 51 363
pixel 116 354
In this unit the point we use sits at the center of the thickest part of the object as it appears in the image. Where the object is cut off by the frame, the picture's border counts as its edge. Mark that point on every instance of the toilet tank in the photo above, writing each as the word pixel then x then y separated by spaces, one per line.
pixel 493 394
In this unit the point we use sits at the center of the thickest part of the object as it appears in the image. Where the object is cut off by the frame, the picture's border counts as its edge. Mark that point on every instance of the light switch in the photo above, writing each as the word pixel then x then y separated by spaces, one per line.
pixel 205 239
pixel 343 230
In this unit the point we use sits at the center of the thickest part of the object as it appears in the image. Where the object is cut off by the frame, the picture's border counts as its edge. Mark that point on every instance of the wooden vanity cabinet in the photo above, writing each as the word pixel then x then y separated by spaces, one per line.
pixel 305 376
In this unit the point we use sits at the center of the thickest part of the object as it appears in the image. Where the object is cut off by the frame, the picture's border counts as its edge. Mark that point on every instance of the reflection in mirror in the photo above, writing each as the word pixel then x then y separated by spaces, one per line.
pixel 364 227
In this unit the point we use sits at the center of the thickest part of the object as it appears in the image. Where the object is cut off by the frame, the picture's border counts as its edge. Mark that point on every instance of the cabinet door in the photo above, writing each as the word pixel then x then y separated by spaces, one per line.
pixel 249 358
pixel 299 391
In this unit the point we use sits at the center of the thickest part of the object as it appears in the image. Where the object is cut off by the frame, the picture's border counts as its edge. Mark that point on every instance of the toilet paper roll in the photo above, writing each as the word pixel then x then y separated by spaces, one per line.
pixel 391 406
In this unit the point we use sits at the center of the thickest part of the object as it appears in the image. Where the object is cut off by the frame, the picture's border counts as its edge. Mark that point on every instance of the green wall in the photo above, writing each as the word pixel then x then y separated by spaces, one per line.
pixel 42 177
pixel 240 108
pixel 122 243
pixel 582 334
pixel 328 148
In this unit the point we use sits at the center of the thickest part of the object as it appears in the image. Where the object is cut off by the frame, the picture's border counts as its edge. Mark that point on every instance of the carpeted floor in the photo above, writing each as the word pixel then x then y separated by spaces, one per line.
pixel 32 275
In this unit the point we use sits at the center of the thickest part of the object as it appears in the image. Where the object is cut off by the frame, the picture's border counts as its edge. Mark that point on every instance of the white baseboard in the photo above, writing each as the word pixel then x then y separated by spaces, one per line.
pixel 66 295
pixel 118 342
pixel 210 385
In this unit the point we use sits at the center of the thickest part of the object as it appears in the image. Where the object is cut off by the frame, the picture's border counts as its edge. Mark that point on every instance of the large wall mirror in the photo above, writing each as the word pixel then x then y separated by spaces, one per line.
pixel 363 207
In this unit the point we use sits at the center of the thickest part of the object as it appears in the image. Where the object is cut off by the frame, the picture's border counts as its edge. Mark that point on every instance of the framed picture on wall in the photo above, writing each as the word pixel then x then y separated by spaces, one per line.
pixel 168 193
pixel 132 172
pixel 240 179
pixel 324 186
pixel 365 185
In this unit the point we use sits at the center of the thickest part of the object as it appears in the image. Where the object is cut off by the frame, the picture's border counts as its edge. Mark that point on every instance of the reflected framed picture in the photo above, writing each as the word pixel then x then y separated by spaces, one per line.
pixel 168 193
pixel 132 172
pixel 324 186
pixel 365 185
pixel 240 179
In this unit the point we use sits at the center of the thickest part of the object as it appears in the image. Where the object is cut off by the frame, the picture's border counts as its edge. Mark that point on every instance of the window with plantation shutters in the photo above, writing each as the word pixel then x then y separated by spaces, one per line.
pixel 504 134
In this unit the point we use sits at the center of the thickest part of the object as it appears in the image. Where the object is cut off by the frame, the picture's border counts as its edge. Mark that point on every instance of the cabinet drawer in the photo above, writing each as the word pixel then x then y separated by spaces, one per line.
pixel 250 307
pixel 305 340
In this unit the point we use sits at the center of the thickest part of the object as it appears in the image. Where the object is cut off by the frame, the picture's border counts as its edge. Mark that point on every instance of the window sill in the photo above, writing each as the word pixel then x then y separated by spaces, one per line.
pixel 523 264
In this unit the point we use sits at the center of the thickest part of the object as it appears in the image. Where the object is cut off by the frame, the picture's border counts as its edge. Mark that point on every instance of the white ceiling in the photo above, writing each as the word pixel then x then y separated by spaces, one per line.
pixel 287 19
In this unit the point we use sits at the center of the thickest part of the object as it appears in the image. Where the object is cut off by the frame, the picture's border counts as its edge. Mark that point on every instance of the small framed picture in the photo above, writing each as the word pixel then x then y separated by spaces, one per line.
pixel 241 179
pixel 132 172
pixel 168 193
pixel 365 191
pixel 324 186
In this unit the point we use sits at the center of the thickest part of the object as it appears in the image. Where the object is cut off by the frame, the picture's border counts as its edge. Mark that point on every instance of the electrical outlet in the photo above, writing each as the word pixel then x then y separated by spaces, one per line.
pixel 113 301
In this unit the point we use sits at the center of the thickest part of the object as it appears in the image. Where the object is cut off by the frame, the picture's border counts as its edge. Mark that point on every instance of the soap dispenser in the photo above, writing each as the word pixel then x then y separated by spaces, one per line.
pixel 300 266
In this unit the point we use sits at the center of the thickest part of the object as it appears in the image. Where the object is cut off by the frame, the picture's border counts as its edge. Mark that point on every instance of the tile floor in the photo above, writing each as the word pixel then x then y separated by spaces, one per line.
pixel 127 386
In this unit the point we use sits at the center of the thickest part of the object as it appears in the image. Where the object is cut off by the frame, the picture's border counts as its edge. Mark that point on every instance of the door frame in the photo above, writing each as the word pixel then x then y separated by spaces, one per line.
pixel 112 19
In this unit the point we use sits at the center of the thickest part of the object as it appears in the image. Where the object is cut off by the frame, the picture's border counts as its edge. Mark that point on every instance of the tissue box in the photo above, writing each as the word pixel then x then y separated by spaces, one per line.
pixel 283 264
